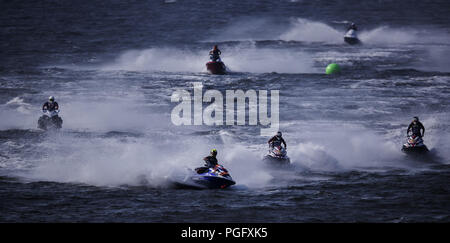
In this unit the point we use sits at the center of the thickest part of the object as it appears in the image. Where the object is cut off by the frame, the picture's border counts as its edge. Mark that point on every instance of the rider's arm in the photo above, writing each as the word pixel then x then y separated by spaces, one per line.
pixel 409 128
pixel 56 106
pixel 423 133
pixel 284 142
pixel 44 107
pixel 270 140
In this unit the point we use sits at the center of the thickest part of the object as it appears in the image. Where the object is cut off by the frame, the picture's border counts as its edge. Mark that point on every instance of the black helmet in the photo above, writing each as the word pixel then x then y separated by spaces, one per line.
pixel 416 119
pixel 279 134
pixel 214 151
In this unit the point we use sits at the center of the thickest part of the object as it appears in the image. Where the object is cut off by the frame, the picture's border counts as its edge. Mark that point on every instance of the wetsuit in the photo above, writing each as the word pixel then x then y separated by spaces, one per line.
pixel 352 27
pixel 415 129
pixel 50 106
pixel 211 161
pixel 215 55
pixel 276 141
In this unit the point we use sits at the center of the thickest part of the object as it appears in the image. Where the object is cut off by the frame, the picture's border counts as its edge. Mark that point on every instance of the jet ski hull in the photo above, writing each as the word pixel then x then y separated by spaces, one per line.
pixel 46 123
pixel 415 150
pixel 216 67
pixel 276 160
pixel 277 156
pixel 352 40
pixel 212 182
pixel 204 178
pixel 414 145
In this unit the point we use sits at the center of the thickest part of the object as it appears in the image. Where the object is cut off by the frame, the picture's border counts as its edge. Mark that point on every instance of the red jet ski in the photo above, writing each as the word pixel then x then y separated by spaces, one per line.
pixel 216 67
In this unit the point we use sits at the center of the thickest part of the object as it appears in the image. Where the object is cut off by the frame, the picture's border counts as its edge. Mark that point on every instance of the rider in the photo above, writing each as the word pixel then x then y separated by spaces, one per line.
pixel 214 54
pixel 277 140
pixel 352 27
pixel 415 127
pixel 210 162
pixel 50 105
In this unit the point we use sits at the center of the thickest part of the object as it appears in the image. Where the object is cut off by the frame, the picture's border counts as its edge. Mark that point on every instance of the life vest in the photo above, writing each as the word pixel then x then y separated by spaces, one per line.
pixel 276 141
pixel 415 128
pixel 211 161
pixel 51 106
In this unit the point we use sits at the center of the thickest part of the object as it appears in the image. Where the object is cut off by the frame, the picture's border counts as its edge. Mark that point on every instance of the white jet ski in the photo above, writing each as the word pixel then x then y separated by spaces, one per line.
pixel 351 38
pixel 414 145
pixel 277 156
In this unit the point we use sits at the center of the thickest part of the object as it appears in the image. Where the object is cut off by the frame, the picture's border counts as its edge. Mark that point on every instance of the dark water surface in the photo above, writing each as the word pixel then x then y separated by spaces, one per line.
pixel 113 66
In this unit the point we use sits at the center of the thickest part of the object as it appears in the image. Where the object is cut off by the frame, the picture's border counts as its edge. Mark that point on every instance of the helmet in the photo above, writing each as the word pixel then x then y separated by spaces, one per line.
pixel 51 98
pixel 416 119
pixel 215 47
pixel 213 151
pixel 279 134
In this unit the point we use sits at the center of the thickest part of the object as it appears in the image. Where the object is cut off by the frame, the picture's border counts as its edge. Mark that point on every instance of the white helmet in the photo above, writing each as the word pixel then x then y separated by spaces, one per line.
pixel 51 98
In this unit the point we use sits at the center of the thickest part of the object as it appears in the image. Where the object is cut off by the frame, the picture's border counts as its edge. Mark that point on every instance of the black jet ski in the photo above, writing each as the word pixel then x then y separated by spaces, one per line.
pixel 206 178
pixel 50 120
pixel 351 38
pixel 414 145
pixel 216 67
pixel 277 156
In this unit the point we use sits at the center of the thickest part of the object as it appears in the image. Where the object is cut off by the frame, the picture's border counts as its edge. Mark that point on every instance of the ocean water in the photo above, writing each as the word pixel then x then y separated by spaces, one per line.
pixel 113 66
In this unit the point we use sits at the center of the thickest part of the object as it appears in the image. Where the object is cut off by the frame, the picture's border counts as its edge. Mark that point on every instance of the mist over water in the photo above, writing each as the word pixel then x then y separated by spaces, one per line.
pixel 254 47
pixel 311 31
pixel 331 32
pixel 237 58
pixel 113 74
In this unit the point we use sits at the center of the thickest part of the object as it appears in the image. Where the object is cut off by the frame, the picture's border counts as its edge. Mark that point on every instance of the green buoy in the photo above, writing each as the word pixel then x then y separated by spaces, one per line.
pixel 333 68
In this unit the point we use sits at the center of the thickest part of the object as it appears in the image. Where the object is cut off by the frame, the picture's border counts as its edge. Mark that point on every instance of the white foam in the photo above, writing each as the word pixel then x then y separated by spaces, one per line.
pixel 311 31
pixel 17 114
pixel 238 59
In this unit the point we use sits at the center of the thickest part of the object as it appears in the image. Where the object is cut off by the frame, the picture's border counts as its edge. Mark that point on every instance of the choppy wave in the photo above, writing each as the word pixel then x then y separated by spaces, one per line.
pixel 305 30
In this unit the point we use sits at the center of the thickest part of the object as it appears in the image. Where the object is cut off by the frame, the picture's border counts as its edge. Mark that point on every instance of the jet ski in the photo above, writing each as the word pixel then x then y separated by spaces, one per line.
pixel 216 66
pixel 414 145
pixel 50 120
pixel 206 178
pixel 277 156
pixel 351 38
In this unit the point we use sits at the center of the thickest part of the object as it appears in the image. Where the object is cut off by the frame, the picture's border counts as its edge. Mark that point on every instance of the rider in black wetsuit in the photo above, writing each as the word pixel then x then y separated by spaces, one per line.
pixel 210 162
pixel 277 140
pixel 352 27
pixel 415 127
pixel 214 54
pixel 50 105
